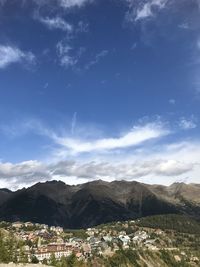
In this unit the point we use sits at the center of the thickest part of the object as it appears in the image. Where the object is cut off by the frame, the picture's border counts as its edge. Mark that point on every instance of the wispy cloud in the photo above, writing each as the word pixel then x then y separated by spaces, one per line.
pixel 187 124
pixel 184 26
pixel 82 27
pixel 73 3
pixel 64 54
pixel 97 58
pixel 70 57
pixel 56 23
pixel 145 9
pixel 12 54
pixel 134 137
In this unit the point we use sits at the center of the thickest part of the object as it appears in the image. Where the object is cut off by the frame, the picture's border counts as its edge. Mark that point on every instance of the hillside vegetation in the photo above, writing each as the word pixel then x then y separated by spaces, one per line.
pixel 179 223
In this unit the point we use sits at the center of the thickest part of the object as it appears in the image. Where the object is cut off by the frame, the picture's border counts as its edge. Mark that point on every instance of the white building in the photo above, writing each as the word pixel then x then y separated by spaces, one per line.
pixel 58 250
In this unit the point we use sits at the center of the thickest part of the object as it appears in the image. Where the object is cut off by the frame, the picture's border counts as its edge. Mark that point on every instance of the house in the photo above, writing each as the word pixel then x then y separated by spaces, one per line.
pixel 140 236
pixel 86 249
pixel 122 233
pixel 58 250
pixel 149 241
pixel 90 232
pixel 53 228
pixel 177 258
pixel 125 239
pixel 17 225
pixel 92 240
pixel 59 230
pixel 44 226
pixel 159 232
pixel 28 224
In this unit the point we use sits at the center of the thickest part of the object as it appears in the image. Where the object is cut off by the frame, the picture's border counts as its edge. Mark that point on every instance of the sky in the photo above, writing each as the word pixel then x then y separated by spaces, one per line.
pixel 99 89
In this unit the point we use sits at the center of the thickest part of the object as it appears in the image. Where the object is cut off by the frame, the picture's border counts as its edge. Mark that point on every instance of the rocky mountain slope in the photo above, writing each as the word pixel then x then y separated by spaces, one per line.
pixel 93 203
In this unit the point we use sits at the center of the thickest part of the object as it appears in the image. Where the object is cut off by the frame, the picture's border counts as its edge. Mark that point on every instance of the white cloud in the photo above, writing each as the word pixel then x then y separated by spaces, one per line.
pixel 64 54
pixel 181 161
pixel 177 161
pixel 187 124
pixel 8 169
pixel 56 23
pixel 172 168
pixel 11 54
pixel 23 173
pixel 135 136
pixel 53 4
pixel 73 3
pixel 112 171
pixel 144 10
pixel 144 153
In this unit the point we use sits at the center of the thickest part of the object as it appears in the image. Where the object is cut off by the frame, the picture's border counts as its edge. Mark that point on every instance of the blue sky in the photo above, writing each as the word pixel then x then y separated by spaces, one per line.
pixel 94 89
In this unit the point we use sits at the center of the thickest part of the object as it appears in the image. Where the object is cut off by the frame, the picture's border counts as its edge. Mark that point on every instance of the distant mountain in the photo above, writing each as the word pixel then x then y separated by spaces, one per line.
pixel 93 203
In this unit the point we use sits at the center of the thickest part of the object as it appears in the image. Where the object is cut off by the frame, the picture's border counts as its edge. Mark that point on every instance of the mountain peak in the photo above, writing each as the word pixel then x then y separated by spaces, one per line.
pixel 96 202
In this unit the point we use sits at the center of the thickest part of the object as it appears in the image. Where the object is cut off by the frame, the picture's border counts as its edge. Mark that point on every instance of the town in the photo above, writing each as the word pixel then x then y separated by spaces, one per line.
pixel 40 243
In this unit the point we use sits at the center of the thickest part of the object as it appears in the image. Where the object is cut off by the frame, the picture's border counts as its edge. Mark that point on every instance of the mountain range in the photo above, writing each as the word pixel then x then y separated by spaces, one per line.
pixel 97 202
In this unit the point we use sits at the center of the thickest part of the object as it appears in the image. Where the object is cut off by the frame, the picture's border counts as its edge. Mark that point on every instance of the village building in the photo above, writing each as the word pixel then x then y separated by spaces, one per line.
pixel 59 250
pixel 17 225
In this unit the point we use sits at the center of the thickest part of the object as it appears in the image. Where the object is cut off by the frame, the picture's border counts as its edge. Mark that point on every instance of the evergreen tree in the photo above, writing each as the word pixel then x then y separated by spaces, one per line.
pixel 34 260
